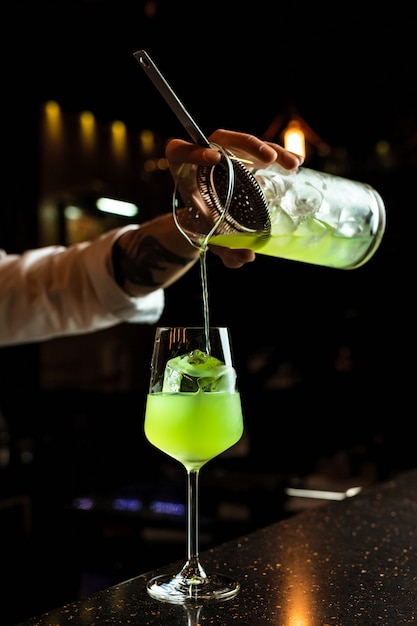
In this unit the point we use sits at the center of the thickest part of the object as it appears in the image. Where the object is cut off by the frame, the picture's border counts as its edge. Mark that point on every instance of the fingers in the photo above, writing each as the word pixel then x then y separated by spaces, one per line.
pixel 244 144
pixel 180 151
pixel 233 258
pixel 255 151
pixel 287 159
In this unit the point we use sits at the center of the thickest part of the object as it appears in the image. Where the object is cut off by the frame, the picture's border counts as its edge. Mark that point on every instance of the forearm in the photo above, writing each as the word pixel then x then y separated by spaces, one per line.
pixel 57 291
pixel 152 257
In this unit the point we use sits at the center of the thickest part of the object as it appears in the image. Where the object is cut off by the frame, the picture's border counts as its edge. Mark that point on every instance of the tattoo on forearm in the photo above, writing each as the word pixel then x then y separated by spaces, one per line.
pixel 140 263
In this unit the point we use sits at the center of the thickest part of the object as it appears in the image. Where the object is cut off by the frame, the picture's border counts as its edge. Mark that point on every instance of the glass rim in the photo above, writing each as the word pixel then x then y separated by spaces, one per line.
pixel 202 327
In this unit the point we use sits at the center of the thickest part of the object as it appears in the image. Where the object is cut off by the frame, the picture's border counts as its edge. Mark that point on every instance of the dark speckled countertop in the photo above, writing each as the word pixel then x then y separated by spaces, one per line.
pixel 339 564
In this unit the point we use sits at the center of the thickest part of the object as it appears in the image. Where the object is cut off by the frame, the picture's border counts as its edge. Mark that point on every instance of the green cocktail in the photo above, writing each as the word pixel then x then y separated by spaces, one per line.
pixel 193 427
pixel 197 414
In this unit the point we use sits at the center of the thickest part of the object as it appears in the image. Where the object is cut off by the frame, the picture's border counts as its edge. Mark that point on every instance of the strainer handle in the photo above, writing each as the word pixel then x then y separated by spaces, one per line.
pixel 143 58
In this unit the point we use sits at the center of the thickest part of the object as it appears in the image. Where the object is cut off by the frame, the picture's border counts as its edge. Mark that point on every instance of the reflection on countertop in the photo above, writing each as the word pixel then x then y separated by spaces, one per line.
pixel 342 563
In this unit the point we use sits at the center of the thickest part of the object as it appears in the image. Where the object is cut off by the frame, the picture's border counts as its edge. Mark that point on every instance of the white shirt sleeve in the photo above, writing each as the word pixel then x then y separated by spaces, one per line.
pixel 55 291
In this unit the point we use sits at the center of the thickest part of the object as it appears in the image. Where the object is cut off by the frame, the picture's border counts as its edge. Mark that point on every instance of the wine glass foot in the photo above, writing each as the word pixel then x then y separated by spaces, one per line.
pixel 179 590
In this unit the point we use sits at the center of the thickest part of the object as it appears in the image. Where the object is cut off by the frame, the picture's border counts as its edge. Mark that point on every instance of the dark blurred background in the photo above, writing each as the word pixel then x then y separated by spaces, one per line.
pixel 324 356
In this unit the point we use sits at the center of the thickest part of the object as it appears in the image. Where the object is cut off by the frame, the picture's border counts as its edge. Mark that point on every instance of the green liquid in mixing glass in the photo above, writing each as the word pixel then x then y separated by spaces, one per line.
pixel 323 248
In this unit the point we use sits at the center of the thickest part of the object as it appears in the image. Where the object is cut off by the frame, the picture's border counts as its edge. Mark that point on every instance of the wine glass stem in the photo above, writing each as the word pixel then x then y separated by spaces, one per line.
pixel 193 569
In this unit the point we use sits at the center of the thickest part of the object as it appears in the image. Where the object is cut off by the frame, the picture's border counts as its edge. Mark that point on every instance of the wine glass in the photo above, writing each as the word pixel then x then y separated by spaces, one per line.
pixel 193 413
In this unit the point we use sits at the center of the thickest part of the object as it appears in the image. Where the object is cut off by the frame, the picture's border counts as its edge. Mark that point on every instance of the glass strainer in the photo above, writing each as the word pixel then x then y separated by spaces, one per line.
pixel 224 199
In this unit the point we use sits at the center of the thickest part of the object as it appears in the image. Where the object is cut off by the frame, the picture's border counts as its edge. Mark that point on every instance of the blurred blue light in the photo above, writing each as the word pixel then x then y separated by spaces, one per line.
pixel 127 504
pixel 167 508
pixel 84 504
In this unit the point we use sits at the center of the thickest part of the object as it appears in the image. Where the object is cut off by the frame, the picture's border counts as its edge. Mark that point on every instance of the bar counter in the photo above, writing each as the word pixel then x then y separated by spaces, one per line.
pixel 342 563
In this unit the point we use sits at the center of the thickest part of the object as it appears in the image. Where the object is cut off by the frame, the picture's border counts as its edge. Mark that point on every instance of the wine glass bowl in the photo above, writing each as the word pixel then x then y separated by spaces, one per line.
pixel 193 413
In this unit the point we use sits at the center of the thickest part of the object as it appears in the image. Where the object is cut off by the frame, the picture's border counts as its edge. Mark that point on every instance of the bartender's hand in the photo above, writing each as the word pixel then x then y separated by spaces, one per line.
pixel 246 147
pixel 157 254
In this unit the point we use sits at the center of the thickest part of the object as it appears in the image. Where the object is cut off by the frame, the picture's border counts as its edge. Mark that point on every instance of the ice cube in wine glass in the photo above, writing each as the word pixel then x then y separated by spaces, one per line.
pixel 198 370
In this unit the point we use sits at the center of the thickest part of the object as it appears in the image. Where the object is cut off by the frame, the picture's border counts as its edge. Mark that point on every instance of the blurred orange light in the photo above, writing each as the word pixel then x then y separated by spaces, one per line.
pixel 294 138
